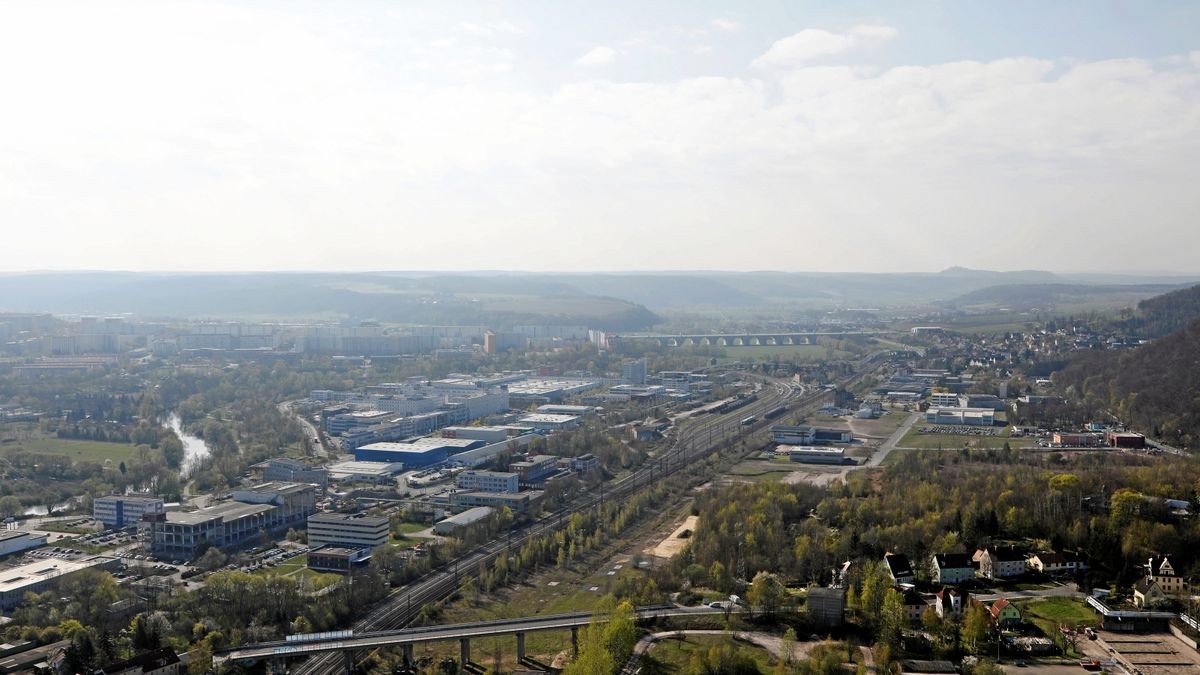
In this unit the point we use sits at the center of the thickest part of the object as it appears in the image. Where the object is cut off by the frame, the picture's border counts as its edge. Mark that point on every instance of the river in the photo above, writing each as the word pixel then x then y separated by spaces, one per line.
pixel 194 449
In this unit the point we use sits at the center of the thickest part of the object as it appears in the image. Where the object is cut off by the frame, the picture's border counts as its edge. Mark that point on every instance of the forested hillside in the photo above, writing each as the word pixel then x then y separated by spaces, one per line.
pixel 1167 313
pixel 1156 387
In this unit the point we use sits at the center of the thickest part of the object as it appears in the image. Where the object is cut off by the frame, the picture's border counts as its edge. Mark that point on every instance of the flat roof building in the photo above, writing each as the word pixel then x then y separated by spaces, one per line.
pixel 380 473
pixel 517 503
pixel 337 558
pixel 488 481
pixel 37 576
pixel 448 526
pixel 417 454
pixel 349 530
pixel 978 417
pixel 15 541
pixel 544 422
pixel 811 454
pixel 264 508
pixel 117 511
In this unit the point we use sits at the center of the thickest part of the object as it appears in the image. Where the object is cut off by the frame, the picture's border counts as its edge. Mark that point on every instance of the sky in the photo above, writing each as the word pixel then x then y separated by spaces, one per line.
pixel 616 135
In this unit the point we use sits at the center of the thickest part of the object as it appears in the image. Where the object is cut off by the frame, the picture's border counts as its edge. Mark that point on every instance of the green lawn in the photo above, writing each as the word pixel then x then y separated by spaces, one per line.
pixel 1055 611
pixel 672 655
pixel 297 568
pixel 409 528
pixel 78 451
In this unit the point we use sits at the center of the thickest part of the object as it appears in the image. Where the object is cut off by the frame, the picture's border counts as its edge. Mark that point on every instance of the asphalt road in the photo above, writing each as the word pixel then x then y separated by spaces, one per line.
pixel 690 442
pixel 890 444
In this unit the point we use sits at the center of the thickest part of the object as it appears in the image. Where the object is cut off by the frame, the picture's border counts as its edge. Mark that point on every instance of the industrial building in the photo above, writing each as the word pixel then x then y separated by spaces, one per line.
pixel 538 391
pixel 488 481
pixel 417 454
pixel 349 530
pixel 337 558
pixel 560 409
pixel 811 454
pixel 269 507
pixel 535 468
pixel 482 454
pixel 517 503
pixel 15 541
pixel 544 423
pixel 488 434
pixel 289 470
pixel 977 417
pixel 1125 439
pixel 809 435
pixel 117 511
pixel 36 577
pixel 379 473
pixel 448 526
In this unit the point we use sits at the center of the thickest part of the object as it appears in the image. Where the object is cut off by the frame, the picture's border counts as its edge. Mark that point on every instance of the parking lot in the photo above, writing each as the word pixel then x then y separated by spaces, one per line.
pixel 1147 653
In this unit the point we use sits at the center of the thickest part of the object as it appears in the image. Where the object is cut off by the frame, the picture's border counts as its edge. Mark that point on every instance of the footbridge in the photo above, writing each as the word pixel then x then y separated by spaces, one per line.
pixel 349 642
pixel 740 339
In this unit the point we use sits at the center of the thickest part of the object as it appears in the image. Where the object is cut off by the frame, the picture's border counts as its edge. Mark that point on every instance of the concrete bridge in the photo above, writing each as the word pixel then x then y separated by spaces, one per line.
pixel 348 642
pixel 739 339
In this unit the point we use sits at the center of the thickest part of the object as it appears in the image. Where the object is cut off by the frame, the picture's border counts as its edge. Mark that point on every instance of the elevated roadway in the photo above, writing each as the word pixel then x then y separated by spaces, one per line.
pixel 462 632
pixel 697 438
pixel 741 339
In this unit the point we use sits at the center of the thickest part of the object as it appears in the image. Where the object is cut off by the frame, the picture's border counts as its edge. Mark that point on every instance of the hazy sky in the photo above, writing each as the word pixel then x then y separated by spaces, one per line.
pixel 867 136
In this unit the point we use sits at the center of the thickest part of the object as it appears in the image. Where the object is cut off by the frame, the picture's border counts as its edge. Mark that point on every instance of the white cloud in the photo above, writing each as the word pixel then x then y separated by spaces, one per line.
pixel 728 25
pixel 599 56
pixel 292 131
pixel 811 43
pixel 490 28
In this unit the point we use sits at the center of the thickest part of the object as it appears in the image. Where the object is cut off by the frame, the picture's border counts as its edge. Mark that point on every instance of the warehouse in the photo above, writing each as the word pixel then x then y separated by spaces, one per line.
pixel 811 454
pixel 36 577
pixel 448 526
pixel 417 454
pixel 15 541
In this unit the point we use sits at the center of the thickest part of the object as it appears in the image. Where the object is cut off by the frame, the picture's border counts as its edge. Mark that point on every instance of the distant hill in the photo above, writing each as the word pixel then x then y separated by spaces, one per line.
pixel 1167 313
pixel 617 301
pixel 1154 387
pixel 1019 297
pixel 498 301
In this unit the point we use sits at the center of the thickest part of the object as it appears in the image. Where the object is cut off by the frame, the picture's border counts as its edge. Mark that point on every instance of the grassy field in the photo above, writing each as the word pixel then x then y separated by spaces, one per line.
pixel 759 470
pixel 673 654
pixel 298 569
pixel 1055 611
pixel 78 451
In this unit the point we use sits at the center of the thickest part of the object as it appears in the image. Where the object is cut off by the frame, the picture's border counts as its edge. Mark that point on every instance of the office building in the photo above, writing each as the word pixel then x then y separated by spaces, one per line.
pixel 348 530
pixel 978 417
pixel 535 468
pixel 340 559
pixel 634 372
pixel 294 471
pixel 488 481
pixel 117 511
pixel 262 509
pixel 519 502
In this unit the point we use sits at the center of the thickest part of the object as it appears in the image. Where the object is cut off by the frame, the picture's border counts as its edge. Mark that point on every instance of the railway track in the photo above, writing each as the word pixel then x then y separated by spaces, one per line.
pixel 692 442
